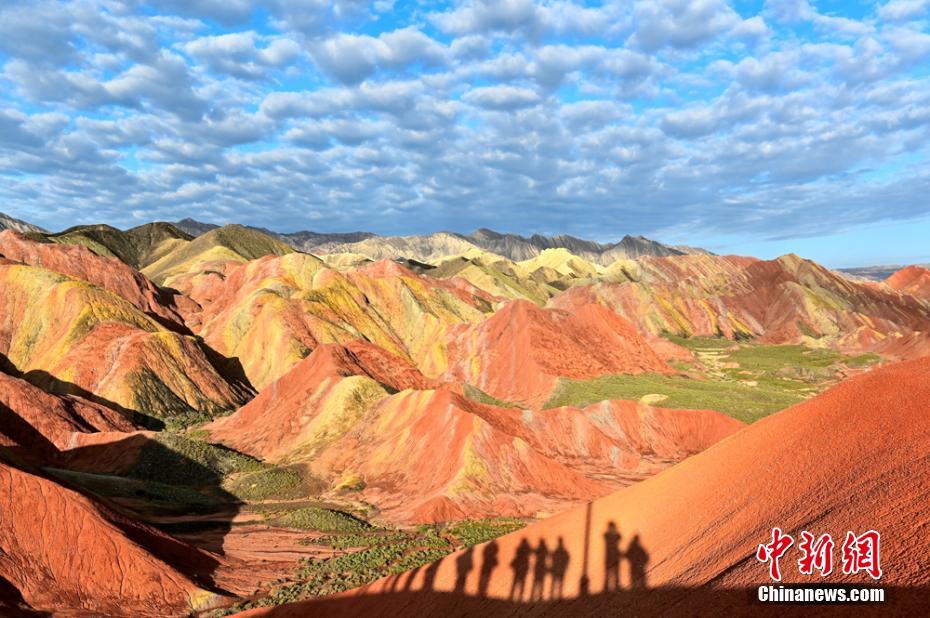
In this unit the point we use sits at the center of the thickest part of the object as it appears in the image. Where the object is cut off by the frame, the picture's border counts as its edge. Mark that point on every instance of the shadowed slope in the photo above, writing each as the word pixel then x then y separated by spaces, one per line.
pixel 36 423
pixel 137 247
pixel 853 459
pixel 62 550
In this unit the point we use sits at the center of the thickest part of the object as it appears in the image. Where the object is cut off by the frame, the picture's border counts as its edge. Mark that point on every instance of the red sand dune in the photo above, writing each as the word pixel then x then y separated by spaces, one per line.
pixel 912 280
pixel 852 459
pixel 519 353
pixel 64 552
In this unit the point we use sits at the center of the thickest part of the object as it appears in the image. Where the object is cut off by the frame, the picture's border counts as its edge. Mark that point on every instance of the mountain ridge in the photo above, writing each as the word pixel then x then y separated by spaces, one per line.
pixel 18 225
pixel 443 244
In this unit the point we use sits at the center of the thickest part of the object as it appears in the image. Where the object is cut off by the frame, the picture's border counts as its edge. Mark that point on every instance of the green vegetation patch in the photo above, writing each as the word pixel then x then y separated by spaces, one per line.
pixel 375 552
pixel 746 403
pixel 475 531
pixel 351 570
pixel 747 381
pixel 372 538
pixel 177 459
pixel 324 520
pixel 476 394
pixel 268 484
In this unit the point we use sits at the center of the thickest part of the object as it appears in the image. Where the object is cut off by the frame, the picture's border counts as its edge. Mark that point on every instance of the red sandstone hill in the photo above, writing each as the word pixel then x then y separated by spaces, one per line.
pixel 68 335
pixel 39 424
pixel 913 280
pixel 787 300
pixel 278 420
pixel 339 413
pixel 855 458
pixel 293 303
pixel 520 352
pixel 65 552
pixel 107 273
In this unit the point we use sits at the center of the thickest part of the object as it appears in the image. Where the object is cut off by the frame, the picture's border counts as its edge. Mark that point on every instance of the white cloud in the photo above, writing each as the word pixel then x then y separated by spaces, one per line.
pixel 680 23
pixel 351 58
pixel 239 54
pixel 901 10
pixel 485 15
pixel 752 28
pixel 557 110
pixel 501 97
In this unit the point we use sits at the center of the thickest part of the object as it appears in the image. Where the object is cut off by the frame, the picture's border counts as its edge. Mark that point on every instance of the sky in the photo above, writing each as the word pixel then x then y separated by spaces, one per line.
pixel 752 127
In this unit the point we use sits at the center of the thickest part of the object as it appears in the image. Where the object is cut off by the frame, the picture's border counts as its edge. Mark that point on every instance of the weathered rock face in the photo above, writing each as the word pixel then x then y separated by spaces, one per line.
pixel 69 336
pixel 787 300
pixel 336 413
pixel 520 352
pixel 64 551
pixel 699 523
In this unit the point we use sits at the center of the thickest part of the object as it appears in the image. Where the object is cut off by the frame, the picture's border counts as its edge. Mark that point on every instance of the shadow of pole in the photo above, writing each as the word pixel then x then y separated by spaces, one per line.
pixel 584 585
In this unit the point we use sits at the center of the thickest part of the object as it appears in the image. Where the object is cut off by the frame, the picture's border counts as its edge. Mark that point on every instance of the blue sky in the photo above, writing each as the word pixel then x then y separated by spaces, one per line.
pixel 753 127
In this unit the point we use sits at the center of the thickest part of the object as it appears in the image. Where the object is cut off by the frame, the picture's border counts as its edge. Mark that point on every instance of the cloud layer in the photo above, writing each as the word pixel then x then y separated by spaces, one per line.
pixel 669 117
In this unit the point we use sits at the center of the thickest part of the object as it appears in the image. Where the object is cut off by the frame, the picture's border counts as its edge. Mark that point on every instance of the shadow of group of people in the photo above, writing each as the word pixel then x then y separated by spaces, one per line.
pixel 636 556
pixel 546 564
pixel 539 572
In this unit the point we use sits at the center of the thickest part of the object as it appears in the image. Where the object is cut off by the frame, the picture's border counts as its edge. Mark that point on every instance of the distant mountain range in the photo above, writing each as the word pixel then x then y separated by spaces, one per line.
pixel 442 244
pixel 420 248
pixel 875 273
pixel 11 223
